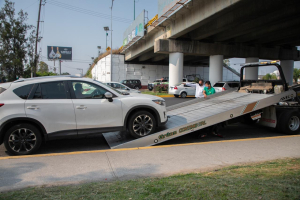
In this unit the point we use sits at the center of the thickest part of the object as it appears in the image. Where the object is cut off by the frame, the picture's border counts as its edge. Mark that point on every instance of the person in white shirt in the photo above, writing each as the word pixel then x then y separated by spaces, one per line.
pixel 199 88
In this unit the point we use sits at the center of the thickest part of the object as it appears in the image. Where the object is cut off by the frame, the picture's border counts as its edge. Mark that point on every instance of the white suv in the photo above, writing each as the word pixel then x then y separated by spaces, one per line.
pixel 40 109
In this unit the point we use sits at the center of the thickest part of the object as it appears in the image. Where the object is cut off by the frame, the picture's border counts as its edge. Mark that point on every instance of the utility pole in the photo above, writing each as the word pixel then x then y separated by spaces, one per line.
pixel 60 67
pixel 33 72
pixel 112 3
pixel 133 9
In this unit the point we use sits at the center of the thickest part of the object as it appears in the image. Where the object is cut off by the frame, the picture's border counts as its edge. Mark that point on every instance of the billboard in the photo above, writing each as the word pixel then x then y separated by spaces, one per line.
pixel 135 29
pixel 164 6
pixel 59 53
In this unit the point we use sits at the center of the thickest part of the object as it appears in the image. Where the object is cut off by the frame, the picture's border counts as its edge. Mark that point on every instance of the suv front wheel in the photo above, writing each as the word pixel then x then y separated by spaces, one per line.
pixel 141 123
pixel 22 139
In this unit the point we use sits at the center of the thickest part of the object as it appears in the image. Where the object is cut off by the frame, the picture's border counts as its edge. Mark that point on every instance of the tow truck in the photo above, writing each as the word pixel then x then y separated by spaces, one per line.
pixel 270 103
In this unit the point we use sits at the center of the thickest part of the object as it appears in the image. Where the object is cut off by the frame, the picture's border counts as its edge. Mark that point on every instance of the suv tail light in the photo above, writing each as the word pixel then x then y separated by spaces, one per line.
pixel 223 89
pixel 1 104
pixel 175 88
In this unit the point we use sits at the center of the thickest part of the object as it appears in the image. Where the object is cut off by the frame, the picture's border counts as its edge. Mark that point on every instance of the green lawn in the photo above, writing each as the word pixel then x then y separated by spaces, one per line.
pixel 278 179
pixel 154 93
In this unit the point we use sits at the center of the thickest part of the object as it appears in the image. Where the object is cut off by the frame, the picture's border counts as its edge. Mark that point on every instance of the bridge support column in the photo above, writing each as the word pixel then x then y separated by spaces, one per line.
pixel 215 68
pixel 288 69
pixel 251 73
pixel 175 68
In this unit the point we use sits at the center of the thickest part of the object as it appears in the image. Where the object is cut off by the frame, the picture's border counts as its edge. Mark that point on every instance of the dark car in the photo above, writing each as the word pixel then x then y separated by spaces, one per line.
pixel 132 83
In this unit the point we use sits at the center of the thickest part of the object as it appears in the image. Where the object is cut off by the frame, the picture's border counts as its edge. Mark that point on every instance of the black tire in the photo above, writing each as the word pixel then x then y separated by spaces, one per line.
pixel 176 96
pixel 29 142
pixel 150 89
pixel 289 122
pixel 144 115
pixel 183 95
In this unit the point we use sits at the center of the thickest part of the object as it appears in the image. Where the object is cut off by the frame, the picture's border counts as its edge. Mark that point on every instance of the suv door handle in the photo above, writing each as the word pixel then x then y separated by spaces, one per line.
pixel 82 107
pixel 33 107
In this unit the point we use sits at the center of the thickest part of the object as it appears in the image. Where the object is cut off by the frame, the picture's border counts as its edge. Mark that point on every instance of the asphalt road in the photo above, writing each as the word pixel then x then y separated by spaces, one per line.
pixel 97 142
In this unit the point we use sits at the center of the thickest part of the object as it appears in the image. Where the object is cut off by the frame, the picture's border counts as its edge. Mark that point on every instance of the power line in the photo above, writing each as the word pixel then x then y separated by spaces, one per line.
pixel 87 12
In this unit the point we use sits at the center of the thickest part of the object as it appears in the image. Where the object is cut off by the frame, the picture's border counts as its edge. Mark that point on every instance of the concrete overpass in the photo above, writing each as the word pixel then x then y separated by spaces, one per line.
pixel 205 32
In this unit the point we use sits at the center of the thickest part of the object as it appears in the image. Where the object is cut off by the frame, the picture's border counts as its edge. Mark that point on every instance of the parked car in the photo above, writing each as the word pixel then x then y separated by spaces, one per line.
pixel 225 85
pixel 46 108
pixel 132 83
pixel 122 88
pixel 159 81
pixel 182 90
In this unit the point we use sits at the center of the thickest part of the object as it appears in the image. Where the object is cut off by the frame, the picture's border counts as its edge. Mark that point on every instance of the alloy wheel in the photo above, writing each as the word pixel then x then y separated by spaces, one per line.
pixel 22 140
pixel 142 125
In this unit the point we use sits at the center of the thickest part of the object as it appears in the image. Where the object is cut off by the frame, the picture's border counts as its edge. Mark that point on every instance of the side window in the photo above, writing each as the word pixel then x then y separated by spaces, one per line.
pixel 85 90
pixel 53 90
pixel 38 93
pixel 116 85
pixel 23 92
pixel 123 87
pixel 124 82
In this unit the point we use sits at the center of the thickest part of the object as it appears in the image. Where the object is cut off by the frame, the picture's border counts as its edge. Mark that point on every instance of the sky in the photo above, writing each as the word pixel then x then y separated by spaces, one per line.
pixel 65 23
pixel 83 32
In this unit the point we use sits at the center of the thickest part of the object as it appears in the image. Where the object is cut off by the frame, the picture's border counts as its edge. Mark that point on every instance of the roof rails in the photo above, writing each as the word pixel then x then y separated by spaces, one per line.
pixel 262 63
pixel 45 77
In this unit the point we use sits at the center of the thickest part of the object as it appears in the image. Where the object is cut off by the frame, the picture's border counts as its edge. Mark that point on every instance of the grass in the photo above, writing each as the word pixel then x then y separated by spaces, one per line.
pixel 278 179
pixel 155 93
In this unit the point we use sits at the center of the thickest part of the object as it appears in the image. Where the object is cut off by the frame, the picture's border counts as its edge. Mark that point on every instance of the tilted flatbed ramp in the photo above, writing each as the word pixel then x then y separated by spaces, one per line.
pixel 186 118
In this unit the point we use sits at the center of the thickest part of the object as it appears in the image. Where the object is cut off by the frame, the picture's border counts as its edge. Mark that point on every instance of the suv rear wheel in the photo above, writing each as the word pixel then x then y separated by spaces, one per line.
pixel 22 139
pixel 141 123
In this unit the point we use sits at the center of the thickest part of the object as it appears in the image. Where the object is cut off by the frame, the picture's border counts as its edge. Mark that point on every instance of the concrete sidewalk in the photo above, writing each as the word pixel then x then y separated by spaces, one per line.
pixel 141 162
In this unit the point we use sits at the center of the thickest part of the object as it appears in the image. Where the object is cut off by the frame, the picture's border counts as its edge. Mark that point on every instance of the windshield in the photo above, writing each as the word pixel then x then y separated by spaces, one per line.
pixel 109 87
pixel 218 84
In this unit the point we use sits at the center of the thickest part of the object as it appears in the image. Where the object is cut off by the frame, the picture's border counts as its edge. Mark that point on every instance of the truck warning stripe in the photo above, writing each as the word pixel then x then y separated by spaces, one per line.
pixel 250 107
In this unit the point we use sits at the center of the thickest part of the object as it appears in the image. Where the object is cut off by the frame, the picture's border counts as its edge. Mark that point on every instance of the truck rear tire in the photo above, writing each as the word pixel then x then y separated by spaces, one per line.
pixel 289 122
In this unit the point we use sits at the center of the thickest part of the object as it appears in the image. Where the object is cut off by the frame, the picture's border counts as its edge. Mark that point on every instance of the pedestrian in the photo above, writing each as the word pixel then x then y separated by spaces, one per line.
pixel 214 129
pixel 208 90
pixel 199 88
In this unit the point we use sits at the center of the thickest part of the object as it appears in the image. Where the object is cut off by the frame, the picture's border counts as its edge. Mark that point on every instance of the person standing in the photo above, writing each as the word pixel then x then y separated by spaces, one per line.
pixel 208 90
pixel 214 130
pixel 199 88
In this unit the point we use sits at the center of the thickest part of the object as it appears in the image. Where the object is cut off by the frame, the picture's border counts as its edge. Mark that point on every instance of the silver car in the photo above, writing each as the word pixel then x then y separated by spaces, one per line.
pixel 182 90
pixel 122 88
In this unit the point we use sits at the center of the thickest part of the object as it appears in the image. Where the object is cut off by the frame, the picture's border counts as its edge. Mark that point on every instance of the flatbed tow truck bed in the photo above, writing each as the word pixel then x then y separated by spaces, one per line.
pixel 197 114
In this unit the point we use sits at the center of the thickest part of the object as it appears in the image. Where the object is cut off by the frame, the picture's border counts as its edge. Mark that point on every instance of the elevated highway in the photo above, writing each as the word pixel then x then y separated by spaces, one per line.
pixel 202 32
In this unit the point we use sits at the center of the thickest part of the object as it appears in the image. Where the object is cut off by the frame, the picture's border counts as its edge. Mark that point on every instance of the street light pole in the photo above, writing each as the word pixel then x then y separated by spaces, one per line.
pixel 133 9
pixel 112 3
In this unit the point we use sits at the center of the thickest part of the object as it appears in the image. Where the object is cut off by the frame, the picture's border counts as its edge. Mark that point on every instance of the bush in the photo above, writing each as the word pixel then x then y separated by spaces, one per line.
pixel 161 87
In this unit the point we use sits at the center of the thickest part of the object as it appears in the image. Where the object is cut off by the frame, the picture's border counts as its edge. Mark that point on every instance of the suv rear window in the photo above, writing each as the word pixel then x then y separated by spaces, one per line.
pixel 23 92
pixel 219 84
pixel 2 90
pixel 51 90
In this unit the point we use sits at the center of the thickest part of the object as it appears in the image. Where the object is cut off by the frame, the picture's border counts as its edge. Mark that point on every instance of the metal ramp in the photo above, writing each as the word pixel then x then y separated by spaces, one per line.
pixel 198 114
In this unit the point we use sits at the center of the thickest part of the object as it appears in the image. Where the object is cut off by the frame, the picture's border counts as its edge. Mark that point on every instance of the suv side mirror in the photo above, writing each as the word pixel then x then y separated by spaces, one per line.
pixel 109 96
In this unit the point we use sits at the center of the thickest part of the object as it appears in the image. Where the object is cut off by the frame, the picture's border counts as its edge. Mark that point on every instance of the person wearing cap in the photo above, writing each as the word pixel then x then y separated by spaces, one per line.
pixel 208 90
pixel 199 88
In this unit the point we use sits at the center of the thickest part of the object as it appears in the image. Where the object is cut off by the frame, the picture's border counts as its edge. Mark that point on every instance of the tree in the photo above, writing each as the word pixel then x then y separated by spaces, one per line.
pixel 65 73
pixel 296 74
pixel 13 41
pixel 43 67
pixel 270 77
pixel 226 62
